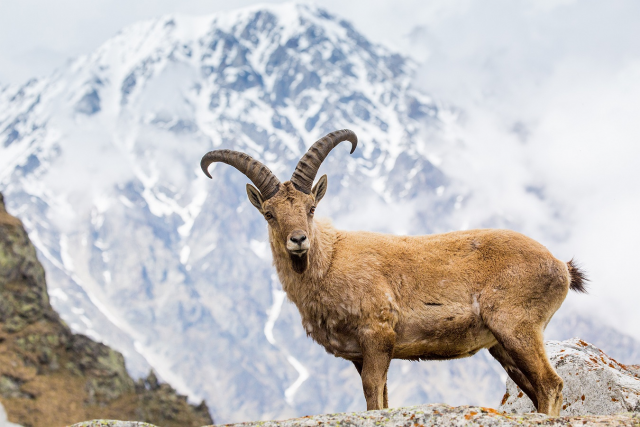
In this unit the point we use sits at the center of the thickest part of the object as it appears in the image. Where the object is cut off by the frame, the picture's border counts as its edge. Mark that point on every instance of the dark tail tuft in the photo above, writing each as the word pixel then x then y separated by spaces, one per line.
pixel 578 278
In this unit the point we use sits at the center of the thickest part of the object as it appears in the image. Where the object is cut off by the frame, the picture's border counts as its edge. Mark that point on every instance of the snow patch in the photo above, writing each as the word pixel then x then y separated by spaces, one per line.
pixel 58 293
pixel 303 375
pixel 184 254
pixel 274 312
pixel 67 260
pixel 261 249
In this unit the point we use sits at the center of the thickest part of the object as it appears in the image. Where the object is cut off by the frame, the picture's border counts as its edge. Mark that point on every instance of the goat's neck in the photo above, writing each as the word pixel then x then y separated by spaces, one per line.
pixel 296 285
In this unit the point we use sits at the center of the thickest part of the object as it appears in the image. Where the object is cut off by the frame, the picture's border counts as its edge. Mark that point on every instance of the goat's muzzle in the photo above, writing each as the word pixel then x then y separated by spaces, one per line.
pixel 298 243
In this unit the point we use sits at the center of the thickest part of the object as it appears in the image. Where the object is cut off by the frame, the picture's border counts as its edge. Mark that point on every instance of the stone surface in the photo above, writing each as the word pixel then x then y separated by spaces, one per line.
pixel 51 377
pixel 112 423
pixel 594 383
pixel 445 415
pixel 420 416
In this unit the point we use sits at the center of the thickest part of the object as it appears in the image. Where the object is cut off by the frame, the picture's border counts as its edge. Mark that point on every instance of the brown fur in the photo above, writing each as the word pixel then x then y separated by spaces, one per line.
pixel 370 297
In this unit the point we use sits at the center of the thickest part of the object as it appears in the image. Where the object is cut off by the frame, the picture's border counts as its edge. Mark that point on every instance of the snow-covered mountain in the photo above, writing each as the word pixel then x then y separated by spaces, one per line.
pixel 143 252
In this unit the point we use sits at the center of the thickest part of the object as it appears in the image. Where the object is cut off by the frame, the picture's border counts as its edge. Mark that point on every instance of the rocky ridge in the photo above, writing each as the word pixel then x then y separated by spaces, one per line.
pixel 425 415
pixel 52 377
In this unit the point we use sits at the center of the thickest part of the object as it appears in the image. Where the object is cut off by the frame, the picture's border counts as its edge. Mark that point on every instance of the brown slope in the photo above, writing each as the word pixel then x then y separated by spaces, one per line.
pixel 51 377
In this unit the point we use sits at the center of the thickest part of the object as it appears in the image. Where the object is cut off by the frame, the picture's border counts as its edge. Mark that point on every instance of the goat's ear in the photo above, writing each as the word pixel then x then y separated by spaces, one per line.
pixel 320 188
pixel 254 197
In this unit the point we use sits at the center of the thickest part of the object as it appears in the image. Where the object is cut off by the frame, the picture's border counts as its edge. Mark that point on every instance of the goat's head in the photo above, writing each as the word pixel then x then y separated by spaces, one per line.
pixel 288 207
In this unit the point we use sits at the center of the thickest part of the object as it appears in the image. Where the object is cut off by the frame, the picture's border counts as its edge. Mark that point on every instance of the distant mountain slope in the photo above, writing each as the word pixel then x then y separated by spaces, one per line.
pixel 101 161
pixel 51 377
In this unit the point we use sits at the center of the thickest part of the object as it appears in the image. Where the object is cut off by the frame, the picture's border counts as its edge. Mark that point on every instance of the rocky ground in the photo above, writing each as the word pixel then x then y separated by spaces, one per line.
pixel 51 377
pixel 598 391
pixel 427 415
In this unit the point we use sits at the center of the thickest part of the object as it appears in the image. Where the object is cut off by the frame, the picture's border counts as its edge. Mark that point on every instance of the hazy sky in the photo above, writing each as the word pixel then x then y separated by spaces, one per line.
pixel 548 95
pixel 37 36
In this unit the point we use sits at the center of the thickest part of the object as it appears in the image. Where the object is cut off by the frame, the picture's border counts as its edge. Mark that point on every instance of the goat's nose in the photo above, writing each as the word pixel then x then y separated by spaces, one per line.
pixel 298 238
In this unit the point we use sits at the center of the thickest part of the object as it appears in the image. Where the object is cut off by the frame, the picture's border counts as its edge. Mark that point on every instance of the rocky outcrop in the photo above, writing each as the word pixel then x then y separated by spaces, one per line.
pixel 594 383
pixel 426 415
pixel 52 377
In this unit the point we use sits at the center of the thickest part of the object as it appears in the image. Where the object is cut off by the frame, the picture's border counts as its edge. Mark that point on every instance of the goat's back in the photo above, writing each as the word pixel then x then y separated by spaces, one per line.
pixel 450 267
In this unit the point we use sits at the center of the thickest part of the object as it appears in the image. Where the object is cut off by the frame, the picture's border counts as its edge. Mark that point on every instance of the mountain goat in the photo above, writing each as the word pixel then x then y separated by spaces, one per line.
pixel 371 297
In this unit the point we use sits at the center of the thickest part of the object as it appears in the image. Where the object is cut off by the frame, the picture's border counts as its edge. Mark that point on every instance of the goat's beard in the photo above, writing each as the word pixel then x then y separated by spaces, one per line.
pixel 299 263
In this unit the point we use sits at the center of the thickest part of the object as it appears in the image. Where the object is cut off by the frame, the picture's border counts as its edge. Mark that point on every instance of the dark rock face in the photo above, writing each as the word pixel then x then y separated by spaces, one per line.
pixel 49 376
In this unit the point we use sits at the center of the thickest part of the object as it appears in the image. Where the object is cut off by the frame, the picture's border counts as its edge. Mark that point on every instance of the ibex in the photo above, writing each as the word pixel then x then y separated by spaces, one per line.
pixel 370 297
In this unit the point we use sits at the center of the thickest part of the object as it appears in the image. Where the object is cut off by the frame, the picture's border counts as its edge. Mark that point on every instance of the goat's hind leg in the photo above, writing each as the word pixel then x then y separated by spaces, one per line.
pixel 500 354
pixel 523 343
pixel 385 397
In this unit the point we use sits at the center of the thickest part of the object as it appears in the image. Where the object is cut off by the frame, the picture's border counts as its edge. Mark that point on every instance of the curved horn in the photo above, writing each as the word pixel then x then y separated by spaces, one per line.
pixel 309 164
pixel 258 173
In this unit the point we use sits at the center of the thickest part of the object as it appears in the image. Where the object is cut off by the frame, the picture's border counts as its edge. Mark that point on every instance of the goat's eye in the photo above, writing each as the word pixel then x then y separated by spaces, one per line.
pixel 312 210
pixel 268 215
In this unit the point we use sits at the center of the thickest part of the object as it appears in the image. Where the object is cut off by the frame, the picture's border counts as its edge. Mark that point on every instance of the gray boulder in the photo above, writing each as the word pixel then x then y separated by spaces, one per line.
pixel 594 383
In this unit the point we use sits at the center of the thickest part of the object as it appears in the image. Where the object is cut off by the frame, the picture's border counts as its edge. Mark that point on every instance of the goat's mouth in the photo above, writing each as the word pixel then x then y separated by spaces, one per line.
pixel 298 252
pixel 299 263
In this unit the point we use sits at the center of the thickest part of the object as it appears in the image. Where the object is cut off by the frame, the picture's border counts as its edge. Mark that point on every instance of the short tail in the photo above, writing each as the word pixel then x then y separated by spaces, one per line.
pixel 578 278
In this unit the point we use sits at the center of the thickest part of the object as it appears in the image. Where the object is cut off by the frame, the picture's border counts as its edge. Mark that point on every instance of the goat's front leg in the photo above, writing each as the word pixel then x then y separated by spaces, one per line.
pixel 385 398
pixel 377 351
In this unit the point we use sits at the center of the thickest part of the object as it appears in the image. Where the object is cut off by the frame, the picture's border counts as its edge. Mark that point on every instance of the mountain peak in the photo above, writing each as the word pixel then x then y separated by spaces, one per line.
pixel 244 49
